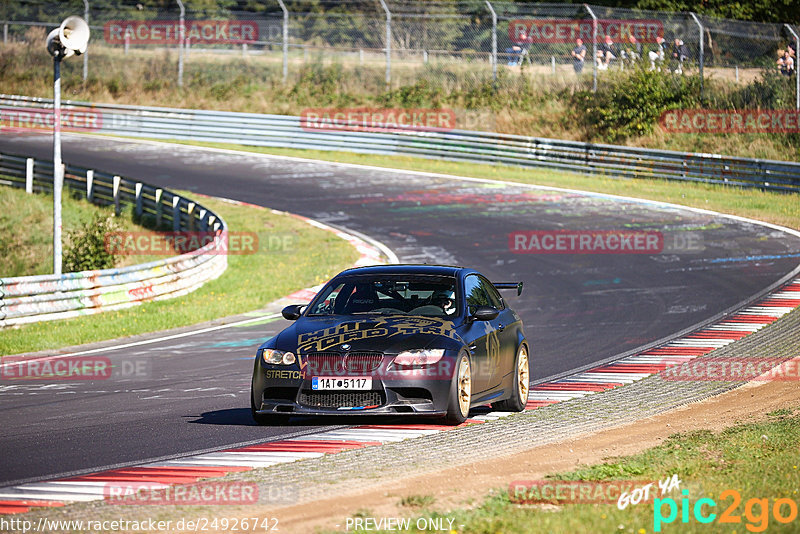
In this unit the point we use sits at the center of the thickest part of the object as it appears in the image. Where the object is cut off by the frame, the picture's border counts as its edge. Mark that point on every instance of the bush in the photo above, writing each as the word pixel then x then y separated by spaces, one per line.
pixel 85 248
pixel 629 105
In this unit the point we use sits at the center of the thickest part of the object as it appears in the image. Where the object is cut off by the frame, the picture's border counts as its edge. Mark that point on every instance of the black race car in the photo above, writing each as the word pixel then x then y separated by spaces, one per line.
pixel 395 339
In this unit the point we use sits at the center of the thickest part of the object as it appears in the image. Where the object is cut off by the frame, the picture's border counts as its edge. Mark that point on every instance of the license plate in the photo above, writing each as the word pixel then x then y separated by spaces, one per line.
pixel 350 383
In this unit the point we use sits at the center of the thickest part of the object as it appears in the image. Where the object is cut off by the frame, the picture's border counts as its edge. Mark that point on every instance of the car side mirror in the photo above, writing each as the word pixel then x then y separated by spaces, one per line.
pixel 485 313
pixel 292 312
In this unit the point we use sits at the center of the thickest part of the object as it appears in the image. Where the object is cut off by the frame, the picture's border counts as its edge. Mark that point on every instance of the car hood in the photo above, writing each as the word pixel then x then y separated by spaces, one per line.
pixel 389 334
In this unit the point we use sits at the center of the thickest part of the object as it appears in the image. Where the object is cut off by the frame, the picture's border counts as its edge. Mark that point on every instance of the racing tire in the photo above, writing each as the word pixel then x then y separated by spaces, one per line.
pixel 460 391
pixel 522 377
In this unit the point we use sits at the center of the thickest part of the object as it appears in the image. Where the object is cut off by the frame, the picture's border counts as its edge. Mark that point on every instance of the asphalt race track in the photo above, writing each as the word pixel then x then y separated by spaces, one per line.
pixel 578 308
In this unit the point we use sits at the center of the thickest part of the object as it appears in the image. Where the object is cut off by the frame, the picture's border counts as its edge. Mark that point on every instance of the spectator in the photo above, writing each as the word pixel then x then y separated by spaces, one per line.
pixel 633 51
pixel 605 53
pixel 658 54
pixel 787 68
pixel 781 63
pixel 578 56
pixel 680 53
pixel 519 50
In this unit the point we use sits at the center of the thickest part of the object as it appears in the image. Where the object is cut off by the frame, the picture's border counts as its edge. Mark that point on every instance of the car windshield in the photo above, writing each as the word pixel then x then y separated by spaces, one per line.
pixel 426 296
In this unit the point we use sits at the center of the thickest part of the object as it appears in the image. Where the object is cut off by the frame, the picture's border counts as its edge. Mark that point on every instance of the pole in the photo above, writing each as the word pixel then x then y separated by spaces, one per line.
pixel 700 26
pixel 285 41
pixel 388 45
pixel 86 54
pixel 494 40
pixel 594 47
pixel 182 31
pixel 58 174
pixel 796 76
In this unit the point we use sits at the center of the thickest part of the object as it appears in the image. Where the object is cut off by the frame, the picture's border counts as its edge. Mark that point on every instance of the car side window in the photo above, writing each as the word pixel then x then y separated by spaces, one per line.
pixel 475 293
pixel 494 297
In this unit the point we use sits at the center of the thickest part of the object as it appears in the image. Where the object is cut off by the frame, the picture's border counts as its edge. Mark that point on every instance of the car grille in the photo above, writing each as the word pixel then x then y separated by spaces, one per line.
pixel 342 363
pixel 335 399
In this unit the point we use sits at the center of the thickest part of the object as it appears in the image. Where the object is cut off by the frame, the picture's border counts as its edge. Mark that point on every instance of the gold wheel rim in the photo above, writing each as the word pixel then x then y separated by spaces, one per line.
pixel 523 377
pixel 464 387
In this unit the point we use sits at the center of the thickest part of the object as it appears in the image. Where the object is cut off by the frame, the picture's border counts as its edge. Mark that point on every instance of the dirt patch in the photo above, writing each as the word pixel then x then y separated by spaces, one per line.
pixel 459 487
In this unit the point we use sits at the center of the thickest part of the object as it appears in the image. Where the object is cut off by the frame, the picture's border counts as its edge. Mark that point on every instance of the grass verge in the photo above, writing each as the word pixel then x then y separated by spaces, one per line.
pixel 776 208
pixel 291 255
pixel 756 460
pixel 26 229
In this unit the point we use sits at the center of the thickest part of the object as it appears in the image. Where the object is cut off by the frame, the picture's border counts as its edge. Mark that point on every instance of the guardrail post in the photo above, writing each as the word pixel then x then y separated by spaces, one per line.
pixel 29 175
pixel 388 44
pixel 176 213
pixel 159 208
pixel 138 199
pixel 190 215
pixel 494 40
pixel 181 37
pixel 90 185
pixel 700 59
pixel 594 46
pixel 117 181
pixel 796 76
pixel 285 41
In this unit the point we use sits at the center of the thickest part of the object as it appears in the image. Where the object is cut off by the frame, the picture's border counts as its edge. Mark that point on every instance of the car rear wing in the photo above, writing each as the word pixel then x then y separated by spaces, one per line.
pixel 509 285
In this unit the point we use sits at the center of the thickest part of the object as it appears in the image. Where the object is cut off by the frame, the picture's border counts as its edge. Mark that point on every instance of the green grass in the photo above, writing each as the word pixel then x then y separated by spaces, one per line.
pixel 250 282
pixel 26 229
pixel 776 208
pixel 759 460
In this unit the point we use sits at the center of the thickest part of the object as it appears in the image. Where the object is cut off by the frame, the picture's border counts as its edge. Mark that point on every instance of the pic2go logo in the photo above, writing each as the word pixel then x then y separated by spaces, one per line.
pixel 756 511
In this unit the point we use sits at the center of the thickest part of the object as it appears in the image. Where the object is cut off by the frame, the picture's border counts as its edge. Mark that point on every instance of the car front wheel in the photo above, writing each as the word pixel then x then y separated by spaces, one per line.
pixel 460 391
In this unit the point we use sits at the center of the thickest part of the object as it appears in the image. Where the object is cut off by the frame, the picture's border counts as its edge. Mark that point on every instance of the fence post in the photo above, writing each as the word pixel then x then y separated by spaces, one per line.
pixel 29 175
pixel 138 199
pixel 796 76
pixel 176 213
pixel 190 215
pixel 594 46
pixel 159 208
pixel 86 53
pixel 127 41
pixel 90 185
pixel 702 39
pixel 285 41
pixel 494 40
pixel 388 44
pixel 5 33
pixel 181 37
pixel 117 180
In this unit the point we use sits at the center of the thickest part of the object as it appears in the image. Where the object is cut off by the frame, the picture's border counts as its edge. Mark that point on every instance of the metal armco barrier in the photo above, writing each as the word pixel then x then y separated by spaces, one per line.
pixel 455 145
pixel 30 299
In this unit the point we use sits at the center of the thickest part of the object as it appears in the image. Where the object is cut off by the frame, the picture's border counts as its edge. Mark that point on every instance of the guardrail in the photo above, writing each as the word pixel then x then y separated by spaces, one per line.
pixel 29 299
pixel 19 112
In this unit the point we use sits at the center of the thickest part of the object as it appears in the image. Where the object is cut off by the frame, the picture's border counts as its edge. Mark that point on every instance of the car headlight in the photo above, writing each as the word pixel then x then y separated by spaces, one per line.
pixel 278 357
pixel 410 358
